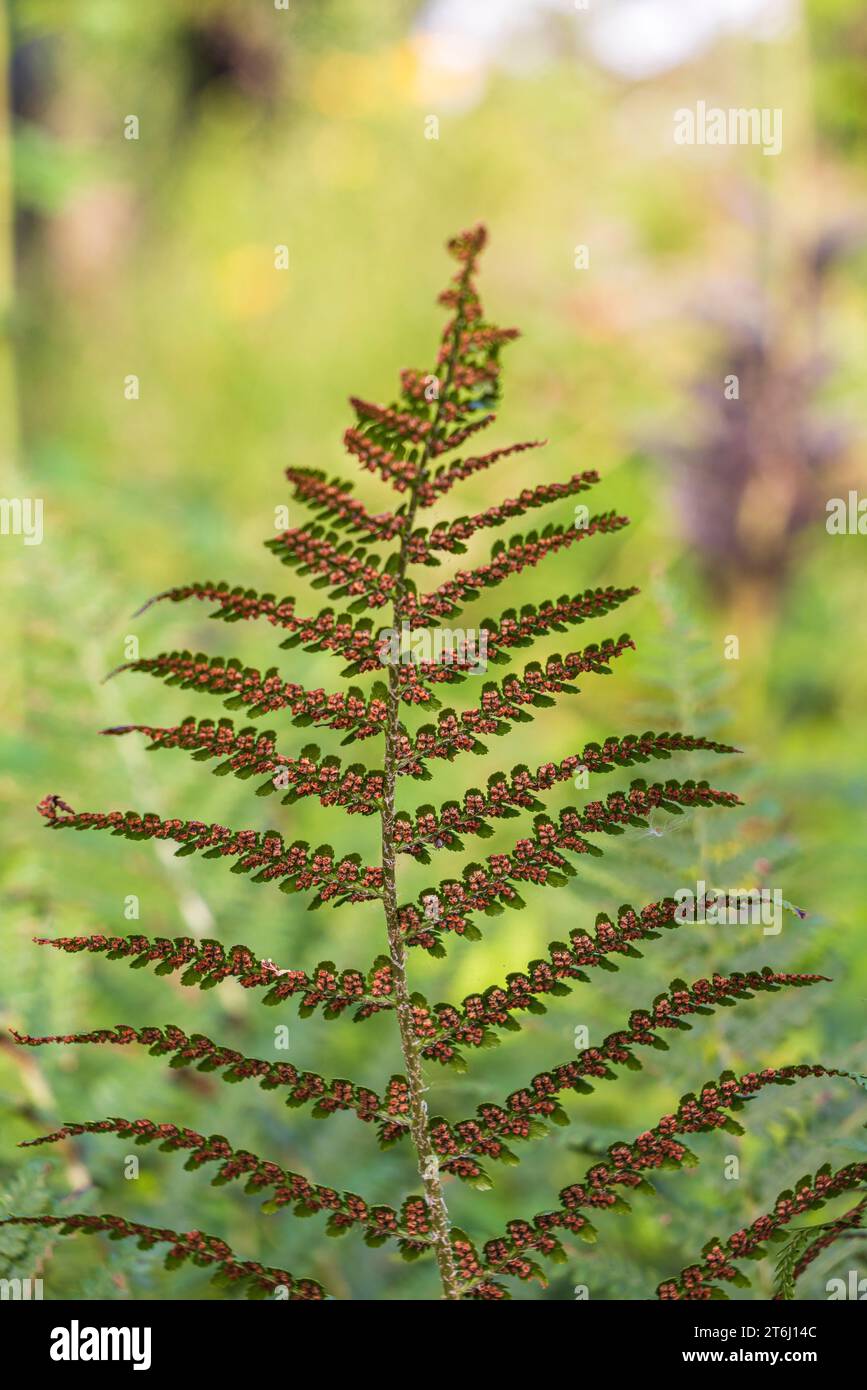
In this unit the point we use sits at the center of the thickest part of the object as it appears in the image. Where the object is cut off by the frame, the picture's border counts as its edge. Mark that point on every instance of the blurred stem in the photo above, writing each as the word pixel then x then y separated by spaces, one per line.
pixel 752 616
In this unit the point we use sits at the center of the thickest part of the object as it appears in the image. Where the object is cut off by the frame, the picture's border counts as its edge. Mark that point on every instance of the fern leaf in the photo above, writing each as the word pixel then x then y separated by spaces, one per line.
pixel 524 1113
pixel 653 1150
pixel 345 572
pixel 490 888
pixel 521 552
pixel 505 704
pixel 810 1242
pixel 304 1087
pixel 702 1280
pixel 334 499
pixel 258 693
pixel 402 442
pixel 252 753
pixel 432 830
pixel 444 478
pixel 450 536
pixel 207 963
pixel 513 630
pixel 518 629
pixel 289 1189
pixel 260 853
pixel 391 440
pixel 324 631
pixel 472 1023
pixel 257 1280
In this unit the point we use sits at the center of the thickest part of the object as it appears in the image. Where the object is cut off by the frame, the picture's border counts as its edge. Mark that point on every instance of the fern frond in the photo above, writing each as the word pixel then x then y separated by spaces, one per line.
pixel 654 1149
pixel 207 963
pixel 304 1087
pixel 490 888
pixel 504 704
pixel 809 1243
pixel 260 853
pixel 402 442
pixel 699 1281
pixel 526 1112
pixel 507 558
pixel 324 631
pixel 432 830
pixel 252 753
pixel 409 1227
pixel 200 1249
pixel 244 687
pixel 449 536
pixel 345 512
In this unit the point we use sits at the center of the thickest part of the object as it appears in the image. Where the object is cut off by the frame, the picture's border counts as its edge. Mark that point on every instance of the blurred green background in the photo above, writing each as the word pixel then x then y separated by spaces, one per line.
pixel 306 128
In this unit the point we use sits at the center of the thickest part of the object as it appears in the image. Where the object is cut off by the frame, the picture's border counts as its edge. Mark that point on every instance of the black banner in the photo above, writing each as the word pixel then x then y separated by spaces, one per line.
pixel 152 1338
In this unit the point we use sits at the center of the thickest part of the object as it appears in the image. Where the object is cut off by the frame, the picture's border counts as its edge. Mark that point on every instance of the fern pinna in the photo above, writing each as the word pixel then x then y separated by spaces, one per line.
pixel 407 444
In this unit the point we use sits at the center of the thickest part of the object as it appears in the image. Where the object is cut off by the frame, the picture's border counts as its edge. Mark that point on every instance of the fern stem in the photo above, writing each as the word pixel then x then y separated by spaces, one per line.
pixel 428 1163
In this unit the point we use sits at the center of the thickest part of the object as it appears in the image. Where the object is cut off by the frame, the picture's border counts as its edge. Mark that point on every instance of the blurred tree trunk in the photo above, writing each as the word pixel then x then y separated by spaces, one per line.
pixel 12 553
